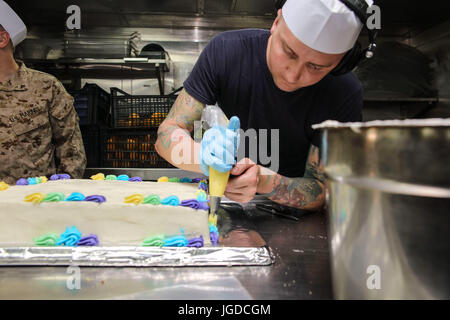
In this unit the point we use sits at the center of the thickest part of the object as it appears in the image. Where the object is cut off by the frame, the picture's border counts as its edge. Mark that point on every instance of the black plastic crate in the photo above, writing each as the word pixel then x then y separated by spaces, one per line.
pixel 92 104
pixel 139 111
pixel 91 141
pixel 130 149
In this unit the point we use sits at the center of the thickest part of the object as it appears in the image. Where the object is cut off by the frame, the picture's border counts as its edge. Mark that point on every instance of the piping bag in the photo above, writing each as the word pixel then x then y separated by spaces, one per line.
pixel 213 116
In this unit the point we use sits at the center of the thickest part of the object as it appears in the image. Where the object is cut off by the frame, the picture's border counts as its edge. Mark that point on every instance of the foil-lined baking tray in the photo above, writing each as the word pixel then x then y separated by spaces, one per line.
pixel 240 245
pixel 135 256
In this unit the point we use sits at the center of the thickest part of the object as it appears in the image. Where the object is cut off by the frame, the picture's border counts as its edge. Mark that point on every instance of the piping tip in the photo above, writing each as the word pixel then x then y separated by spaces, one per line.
pixel 214 203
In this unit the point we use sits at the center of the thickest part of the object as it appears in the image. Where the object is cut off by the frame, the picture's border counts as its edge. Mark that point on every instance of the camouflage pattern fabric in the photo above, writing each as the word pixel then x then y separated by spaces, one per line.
pixel 39 131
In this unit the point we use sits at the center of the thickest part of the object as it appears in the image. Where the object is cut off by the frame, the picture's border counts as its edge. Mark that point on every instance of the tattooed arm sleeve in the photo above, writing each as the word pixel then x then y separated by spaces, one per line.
pixel 174 142
pixel 307 192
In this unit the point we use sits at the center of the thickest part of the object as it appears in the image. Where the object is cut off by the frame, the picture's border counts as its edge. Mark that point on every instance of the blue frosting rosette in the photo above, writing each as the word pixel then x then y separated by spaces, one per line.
pixel 70 237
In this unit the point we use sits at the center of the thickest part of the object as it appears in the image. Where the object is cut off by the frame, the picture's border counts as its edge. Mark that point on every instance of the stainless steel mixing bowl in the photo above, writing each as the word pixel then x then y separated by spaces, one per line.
pixel 388 199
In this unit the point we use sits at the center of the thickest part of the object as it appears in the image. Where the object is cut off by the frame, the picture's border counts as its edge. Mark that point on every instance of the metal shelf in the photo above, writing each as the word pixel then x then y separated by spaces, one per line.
pixel 400 99
pixel 98 68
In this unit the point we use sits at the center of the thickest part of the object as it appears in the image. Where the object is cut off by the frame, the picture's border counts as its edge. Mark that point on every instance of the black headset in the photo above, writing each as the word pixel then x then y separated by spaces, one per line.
pixel 355 54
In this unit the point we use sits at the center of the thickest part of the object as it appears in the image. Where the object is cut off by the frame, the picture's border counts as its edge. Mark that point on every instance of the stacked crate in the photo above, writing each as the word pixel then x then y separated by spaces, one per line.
pixel 92 105
pixel 130 143
pixel 130 149
pixel 125 135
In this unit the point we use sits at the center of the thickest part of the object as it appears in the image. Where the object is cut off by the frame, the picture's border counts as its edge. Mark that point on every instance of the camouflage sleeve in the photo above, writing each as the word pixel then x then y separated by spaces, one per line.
pixel 69 148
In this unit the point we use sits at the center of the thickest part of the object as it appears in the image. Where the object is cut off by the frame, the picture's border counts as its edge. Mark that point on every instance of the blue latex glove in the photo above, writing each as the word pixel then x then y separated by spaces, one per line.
pixel 219 146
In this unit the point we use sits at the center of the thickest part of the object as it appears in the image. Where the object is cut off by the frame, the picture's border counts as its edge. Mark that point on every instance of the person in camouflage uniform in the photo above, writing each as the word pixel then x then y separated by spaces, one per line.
pixel 39 130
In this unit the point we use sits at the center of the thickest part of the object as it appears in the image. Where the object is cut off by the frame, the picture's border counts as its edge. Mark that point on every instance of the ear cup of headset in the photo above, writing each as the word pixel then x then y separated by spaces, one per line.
pixel 279 4
pixel 349 61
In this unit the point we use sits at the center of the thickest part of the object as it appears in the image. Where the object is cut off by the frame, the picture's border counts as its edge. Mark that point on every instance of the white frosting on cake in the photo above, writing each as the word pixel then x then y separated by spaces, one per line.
pixel 113 221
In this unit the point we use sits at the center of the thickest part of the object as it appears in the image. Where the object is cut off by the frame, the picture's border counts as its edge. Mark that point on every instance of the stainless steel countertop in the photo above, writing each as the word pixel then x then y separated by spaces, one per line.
pixel 301 271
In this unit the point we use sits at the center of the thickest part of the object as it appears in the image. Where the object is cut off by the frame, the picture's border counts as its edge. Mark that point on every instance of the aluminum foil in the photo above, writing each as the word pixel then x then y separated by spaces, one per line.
pixel 135 256
pixel 240 245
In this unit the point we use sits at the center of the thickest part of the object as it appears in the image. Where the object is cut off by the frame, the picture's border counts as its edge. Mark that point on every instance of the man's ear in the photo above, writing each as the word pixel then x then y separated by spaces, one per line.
pixel 4 39
pixel 275 23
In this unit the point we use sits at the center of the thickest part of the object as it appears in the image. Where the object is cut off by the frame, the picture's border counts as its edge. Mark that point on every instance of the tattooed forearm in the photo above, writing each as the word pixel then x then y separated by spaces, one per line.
pixel 307 192
pixel 165 134
pixel 174 141
pixel 314 167
pixel 301 193
pixel 185 111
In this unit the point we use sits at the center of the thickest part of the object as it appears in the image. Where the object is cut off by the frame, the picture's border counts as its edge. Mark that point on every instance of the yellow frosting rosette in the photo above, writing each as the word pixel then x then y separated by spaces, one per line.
pixel 3 186
pixel 136 198
pixel 98 176
pixel 35 197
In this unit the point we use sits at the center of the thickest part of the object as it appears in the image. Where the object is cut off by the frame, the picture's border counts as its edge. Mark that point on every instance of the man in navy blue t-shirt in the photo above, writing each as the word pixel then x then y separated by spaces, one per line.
pixel 271 80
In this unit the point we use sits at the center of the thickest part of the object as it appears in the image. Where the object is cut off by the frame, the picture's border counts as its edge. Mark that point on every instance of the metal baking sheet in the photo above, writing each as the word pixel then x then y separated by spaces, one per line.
pixel 135 256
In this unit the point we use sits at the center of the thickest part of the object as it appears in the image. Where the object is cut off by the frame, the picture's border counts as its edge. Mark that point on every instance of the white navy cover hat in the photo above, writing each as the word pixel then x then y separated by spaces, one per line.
pixel 12 23
pixel 328 26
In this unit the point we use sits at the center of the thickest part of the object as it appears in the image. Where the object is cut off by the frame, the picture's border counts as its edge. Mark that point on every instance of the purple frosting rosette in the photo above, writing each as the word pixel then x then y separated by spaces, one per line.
pixel 195 204
pixel 191 203
pixel 203 205
pixel 95 198
pixel 60 176
pixel 195 242
pixel 214 237
pixel 135 179
pixel 90 240
pixel 203 186
pixel 22 182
